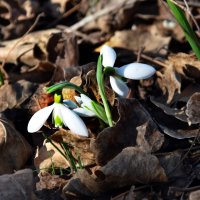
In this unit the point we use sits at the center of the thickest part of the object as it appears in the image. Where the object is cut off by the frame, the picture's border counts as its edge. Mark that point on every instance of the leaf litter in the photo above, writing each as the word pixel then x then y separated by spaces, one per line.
pixel 151 152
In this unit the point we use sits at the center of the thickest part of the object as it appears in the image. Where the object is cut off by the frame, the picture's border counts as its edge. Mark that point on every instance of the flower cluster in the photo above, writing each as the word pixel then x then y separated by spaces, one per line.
pixel 69 113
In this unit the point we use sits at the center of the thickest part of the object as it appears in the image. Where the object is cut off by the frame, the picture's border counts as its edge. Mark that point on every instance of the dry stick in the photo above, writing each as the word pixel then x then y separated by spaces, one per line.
pixel 190 14
pixel 102 12
pixel 66 14
pixel 151 60
pixel 29 30
pixel 177 189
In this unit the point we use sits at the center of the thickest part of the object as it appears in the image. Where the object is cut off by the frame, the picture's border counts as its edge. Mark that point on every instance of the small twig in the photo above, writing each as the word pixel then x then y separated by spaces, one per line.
pixel 187 9
pixel 192 4
pixel 106 10
pixel 157 62
pixel 29 30
pixel 139 54
pixel 177 189
pixel 190 14
pixel 65 15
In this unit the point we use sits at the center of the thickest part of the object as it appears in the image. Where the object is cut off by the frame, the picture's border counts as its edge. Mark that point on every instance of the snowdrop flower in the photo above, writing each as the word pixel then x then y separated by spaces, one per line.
pixel 88 107
pixel 61 115
pixel 135 71
pixel 85 106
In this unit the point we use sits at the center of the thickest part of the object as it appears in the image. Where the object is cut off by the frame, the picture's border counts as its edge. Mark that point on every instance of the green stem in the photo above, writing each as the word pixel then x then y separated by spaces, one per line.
pixel 1 79
pixel 70 156
pixel 100 82
pixel 49 140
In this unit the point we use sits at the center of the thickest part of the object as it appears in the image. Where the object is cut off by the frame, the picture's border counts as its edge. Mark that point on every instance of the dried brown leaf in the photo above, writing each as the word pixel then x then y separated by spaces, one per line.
pixel 48 156
pixel 79 146
pixel 145 166
pixel 49 181
pixel 178 66
pixel 169 82
pixel 14 95
pixel 15 150
pixel 149 37
pixel 17 186
pixel 195 195
pixel 134 128
pixel 63 51
pixel 180 133
pixel 92 87
pixel 193 109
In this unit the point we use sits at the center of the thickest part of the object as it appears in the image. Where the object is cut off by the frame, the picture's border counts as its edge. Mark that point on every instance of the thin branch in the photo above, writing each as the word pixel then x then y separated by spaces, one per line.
pixel 108 9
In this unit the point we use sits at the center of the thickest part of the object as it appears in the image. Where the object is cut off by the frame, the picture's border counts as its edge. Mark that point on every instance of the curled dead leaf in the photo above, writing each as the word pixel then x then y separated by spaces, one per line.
pixel 193 109
pixel 15 150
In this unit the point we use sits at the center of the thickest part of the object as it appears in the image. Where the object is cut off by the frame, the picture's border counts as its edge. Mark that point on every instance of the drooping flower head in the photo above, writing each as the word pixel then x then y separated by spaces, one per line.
pixel 61 116
pixel 135 71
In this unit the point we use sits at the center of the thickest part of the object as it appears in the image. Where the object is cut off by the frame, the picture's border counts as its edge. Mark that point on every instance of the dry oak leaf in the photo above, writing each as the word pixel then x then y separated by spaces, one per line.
pixel 148 37
pixel 169 81
pixel 135 127
pixel 178 66
pixel 140 167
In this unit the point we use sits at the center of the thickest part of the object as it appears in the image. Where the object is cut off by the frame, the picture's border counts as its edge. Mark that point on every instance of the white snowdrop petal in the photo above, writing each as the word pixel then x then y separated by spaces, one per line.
pixel 39 118
pixel 136 71
pixel 78 99
pixel 109 56
pixel 70 104
pixel 119 86
pixel 84 112
pixel 73 121
pixel 86 101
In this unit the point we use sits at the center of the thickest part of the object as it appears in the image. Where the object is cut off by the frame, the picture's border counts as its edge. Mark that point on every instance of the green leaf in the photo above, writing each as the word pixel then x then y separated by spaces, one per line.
pixel 60 86
pixel 188 31
pixel 99 111
pixel 1 79
pixel 100 82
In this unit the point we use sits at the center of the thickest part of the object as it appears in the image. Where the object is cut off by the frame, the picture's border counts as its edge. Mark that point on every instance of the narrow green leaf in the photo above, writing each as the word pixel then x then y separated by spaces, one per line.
pixel 100 82
pixel 60 86
pixel 188 31
pixel 1 79
pixel 99 110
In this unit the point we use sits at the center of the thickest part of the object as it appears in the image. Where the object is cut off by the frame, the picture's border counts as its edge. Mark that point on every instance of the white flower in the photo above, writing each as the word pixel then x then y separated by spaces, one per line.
pixel 135 71
pixel 61 115
pixel 86 109
pixel 90 108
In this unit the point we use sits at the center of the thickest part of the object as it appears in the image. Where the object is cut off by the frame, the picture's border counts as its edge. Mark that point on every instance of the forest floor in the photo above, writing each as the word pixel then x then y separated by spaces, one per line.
pixel 152 151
